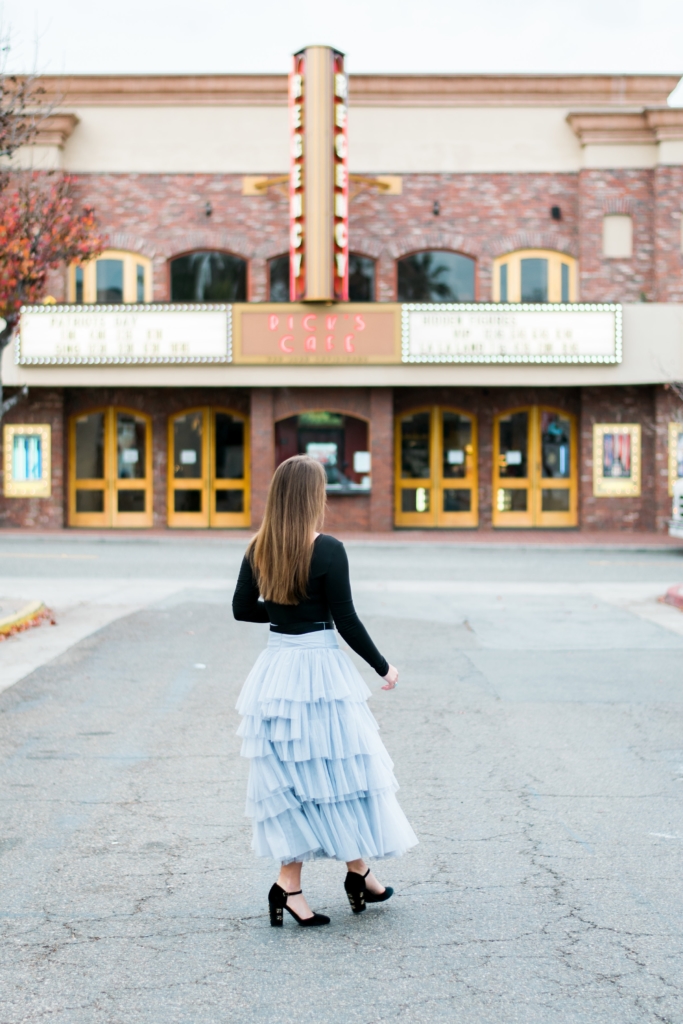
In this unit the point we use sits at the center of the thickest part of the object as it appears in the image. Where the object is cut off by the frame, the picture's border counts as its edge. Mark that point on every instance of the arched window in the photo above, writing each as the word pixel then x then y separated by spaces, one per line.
pixel 114 277
pixel 534 275
pixel 208 277
pixel 278 279
pixel 436 277
pixel 361 278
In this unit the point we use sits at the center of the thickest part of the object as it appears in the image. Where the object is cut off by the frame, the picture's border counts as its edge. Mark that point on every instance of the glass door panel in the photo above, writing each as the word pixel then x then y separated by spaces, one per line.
pixel 188 499
pixel 557 502
pixel 458 470
pixel 229 485
pixel 512 506
pixel 414 500
pixel 110 478
pixel 133 485
pixel 535 478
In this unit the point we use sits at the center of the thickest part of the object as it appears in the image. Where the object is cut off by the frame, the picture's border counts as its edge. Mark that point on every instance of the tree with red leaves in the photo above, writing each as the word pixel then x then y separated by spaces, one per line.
pixel 41 229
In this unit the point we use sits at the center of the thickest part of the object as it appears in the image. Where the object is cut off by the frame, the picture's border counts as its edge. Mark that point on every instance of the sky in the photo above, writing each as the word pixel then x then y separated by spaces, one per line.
pixel 203 36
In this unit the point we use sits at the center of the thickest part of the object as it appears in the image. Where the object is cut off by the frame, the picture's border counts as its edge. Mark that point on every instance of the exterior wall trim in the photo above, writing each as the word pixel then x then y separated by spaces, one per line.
pixel 365 90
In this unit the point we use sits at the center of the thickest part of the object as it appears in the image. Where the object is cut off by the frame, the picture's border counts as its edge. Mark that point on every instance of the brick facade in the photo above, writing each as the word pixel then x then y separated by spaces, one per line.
pixel 44 405
pixel 480 215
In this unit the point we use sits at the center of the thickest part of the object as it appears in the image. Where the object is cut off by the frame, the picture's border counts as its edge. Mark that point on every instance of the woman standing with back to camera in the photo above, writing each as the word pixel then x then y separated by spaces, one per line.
pixel 320 780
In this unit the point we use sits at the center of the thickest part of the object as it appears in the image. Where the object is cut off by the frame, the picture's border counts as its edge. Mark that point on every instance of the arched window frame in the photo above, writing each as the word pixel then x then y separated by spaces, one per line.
pixel 513 262
pixel 131 261
pixel 454 252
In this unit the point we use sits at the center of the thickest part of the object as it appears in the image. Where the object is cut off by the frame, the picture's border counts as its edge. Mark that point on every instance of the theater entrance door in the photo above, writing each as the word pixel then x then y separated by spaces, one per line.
pixel 535 476
pixel 208 469
pixel 436 468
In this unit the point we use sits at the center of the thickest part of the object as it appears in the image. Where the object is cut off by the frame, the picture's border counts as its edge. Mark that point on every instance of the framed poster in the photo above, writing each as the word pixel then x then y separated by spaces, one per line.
pixel 27 460
pixel 616 460
pixel 675 455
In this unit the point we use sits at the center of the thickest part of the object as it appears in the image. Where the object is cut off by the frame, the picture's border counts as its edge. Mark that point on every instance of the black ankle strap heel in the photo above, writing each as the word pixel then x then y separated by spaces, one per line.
pixel 277 903
pixel 359 895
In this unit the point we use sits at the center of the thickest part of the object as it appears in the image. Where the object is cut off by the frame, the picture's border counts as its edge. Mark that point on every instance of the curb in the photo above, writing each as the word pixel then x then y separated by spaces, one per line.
pixel 674 596
pixel 30 615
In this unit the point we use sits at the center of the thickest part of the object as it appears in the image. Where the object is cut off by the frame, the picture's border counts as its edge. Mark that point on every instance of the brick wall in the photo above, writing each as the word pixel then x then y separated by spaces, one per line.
pixel 43 405
pixel 619 405
pixel 616 280
pixel 668 194
pixel 482 215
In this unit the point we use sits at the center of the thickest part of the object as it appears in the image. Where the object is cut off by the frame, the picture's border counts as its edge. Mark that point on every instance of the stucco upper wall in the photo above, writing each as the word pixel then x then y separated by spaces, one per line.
pixel 254 140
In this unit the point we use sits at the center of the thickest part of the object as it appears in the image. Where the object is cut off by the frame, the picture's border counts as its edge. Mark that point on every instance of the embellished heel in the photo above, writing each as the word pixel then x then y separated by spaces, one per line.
pixel 277 902
pixel 359 896
pixel 276 905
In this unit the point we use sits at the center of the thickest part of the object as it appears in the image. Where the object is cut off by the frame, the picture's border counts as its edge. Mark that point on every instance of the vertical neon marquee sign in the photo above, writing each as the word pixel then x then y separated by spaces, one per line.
pixel 319 180
pixel 297 225
pixel 341 182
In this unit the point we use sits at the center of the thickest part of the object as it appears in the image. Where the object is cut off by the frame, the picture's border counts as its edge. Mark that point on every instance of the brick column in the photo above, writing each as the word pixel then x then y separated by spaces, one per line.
pixel 382 449
pixel 262 450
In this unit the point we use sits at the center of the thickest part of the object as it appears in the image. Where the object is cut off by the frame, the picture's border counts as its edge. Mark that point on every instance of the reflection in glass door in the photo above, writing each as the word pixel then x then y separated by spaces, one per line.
pixel 208 469
pixel 535 468
pixel 436 468
pixel 110 469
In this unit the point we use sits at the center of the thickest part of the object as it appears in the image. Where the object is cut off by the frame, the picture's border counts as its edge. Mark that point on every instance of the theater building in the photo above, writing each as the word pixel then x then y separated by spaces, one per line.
pixel 503 259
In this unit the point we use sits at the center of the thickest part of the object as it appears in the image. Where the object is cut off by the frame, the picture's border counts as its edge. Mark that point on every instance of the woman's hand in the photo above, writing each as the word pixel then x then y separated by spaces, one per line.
pixel 391 678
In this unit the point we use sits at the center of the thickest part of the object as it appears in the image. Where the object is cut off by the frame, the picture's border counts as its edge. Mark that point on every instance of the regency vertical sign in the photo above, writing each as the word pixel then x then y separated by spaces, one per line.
pixel 318 194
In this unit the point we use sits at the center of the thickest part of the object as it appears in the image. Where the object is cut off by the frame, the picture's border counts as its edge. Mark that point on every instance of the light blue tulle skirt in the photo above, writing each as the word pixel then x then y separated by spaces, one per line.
pixel 321 783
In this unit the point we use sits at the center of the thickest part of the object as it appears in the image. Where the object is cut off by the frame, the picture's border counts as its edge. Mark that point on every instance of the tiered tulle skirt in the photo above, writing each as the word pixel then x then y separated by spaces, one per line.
pixel 321 783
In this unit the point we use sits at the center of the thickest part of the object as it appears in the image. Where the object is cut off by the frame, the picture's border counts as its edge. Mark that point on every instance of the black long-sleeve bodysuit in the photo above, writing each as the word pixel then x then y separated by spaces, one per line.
pixel 328 599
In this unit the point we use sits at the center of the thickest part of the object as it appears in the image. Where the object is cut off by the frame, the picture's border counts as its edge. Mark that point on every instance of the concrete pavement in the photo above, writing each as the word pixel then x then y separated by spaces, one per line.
pixel 537 738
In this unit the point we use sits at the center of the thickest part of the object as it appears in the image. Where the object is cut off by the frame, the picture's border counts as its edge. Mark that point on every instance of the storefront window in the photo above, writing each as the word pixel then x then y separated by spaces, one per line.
pixel 114 277
pixel 534 275
pixel 208 277
pixel 338 442
pixel 436 277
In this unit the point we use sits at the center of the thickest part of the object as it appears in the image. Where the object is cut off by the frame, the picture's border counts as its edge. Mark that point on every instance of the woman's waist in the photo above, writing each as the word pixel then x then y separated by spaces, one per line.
pixel 308 635
pixel 300 627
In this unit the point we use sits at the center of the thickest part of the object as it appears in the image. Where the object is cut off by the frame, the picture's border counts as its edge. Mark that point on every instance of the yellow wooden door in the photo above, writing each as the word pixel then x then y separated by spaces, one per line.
pixel 436 468
pixel 208 477
pixel 535 478
pixel 229 491
pixel 110 469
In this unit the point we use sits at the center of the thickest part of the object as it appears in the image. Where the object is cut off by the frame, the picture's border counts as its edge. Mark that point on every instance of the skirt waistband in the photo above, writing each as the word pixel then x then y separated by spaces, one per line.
pixel 304 641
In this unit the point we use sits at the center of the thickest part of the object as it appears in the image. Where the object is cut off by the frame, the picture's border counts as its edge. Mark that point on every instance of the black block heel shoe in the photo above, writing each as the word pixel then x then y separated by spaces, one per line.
pixel 277 902
pixel 359 895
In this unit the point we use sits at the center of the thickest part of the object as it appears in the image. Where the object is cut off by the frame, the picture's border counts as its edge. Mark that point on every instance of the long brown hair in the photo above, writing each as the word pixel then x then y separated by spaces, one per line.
pixel 281 551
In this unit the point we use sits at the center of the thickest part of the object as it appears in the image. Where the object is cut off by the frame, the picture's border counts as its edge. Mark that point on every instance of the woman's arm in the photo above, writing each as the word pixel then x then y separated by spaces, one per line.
pixel 338 593
pixel 245 602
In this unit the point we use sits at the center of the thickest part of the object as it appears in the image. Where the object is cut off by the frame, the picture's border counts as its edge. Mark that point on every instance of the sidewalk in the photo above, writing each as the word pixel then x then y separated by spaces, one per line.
pixel 579 539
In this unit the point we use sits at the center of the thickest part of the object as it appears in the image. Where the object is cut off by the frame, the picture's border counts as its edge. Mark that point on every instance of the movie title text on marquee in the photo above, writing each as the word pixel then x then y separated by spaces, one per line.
pixel 501 333
pixel 124 334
